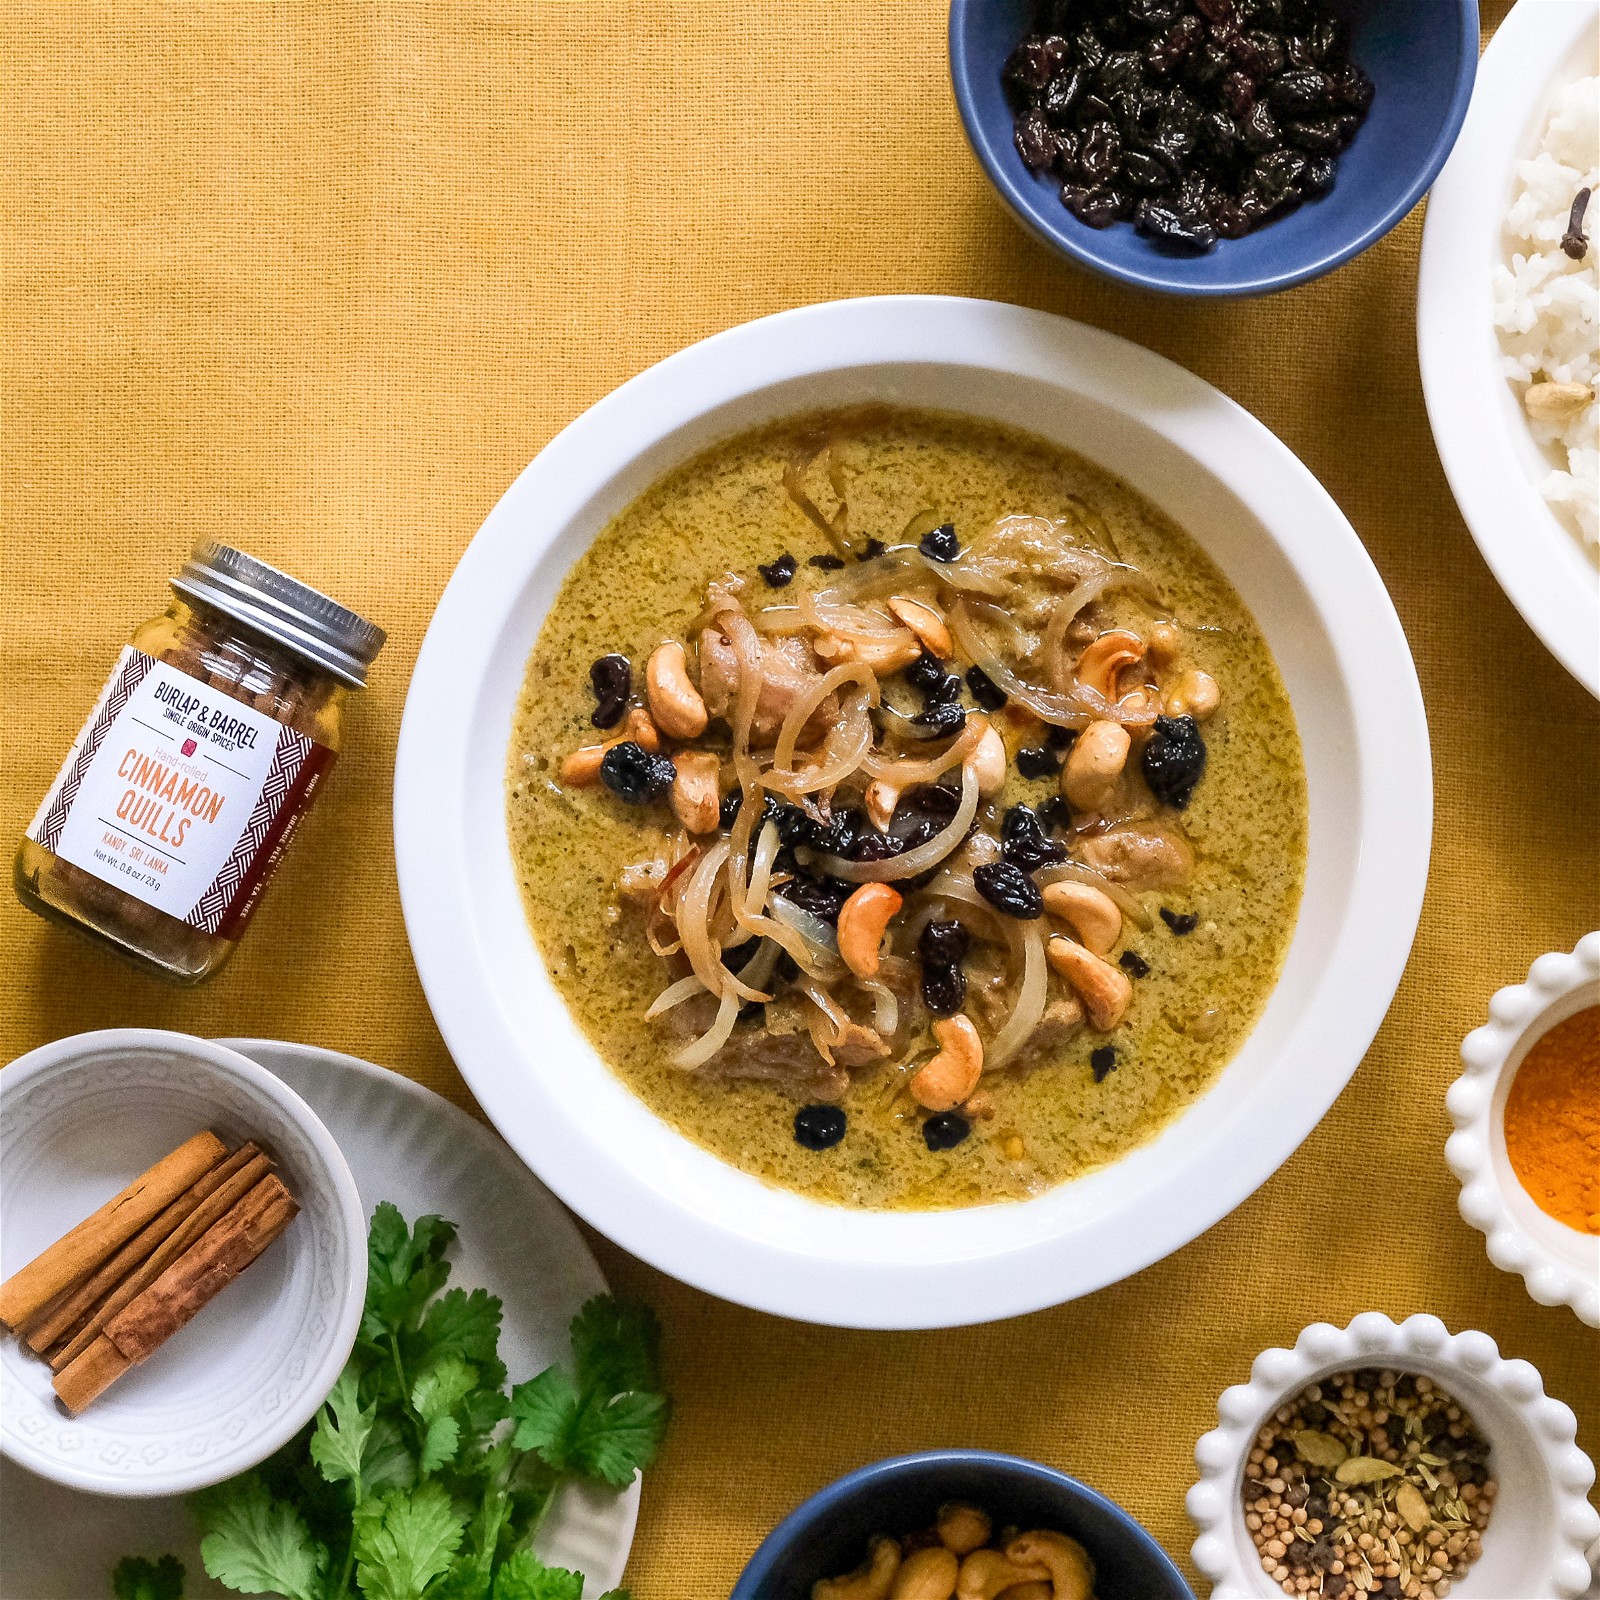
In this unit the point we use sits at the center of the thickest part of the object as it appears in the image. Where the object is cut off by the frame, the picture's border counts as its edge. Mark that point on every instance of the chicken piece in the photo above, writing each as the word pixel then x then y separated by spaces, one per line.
pixel 1142 855
pixel 859 1046
pixel 1062 1020
pixel 789 669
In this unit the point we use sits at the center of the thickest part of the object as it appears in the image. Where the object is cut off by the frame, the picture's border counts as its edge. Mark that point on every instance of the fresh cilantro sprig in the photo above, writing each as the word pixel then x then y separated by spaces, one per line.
pixel 419 1478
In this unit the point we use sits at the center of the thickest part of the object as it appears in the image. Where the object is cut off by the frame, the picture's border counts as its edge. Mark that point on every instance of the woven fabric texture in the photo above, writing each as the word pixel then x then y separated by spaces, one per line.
pixel 321 278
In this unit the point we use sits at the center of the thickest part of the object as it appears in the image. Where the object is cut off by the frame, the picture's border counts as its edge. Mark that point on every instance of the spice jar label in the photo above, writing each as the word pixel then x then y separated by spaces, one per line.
pixel 179 795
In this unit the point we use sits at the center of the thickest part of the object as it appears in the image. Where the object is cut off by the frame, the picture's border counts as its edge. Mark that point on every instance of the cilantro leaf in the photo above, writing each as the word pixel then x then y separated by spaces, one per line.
pixel 343 1428
pixel 546 1412
pixel 259 1544
pixel 616 1346
pixel 434 1396
pixel 524 1577
pixel 404 1540
pixel 134 1578
pixel 466 1325
pixel 405 1269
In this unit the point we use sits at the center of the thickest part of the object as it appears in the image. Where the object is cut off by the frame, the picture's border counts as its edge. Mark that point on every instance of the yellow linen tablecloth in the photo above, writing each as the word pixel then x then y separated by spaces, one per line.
pixel 321 278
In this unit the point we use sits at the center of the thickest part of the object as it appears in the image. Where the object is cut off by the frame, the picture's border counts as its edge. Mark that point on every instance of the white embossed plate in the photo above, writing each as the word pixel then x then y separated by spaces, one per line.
pixel 404 1144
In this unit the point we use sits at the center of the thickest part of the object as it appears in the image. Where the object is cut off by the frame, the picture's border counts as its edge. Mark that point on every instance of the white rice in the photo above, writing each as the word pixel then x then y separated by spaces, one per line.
pixel 1547 306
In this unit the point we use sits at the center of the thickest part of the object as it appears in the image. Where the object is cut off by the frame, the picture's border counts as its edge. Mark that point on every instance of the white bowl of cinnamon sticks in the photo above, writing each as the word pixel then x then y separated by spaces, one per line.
pixel 182 1262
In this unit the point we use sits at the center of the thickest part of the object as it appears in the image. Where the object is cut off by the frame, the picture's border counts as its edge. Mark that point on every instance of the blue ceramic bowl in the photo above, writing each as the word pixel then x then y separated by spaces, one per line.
pixel 1421 56
pixel 829 1534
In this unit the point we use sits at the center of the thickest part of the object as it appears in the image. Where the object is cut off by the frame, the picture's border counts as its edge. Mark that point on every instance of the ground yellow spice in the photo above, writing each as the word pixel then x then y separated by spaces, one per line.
pixel 1552 1122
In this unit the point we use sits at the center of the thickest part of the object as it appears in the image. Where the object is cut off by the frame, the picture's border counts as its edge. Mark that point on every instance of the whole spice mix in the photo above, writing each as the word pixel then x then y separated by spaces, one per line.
pixel 1552 1122
pixel 185 785
pixel 1369 1483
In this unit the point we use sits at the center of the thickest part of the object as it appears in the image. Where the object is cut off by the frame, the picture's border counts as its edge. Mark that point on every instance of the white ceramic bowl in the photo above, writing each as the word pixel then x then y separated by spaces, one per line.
pixel 1533 1547
pixel 1489 456
pixel 1297 564
pixel 79 1120
pixel 1560 1265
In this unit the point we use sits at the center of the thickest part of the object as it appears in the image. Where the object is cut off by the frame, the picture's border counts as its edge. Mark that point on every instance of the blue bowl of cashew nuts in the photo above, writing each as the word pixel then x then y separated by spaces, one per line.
pixel 837 1546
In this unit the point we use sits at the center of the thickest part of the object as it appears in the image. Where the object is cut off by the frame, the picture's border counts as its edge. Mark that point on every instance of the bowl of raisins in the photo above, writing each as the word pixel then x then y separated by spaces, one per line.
pixel 1212 147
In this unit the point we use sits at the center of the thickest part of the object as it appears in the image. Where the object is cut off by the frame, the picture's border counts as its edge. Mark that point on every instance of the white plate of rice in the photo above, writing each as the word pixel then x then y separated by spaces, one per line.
pixel 1502 308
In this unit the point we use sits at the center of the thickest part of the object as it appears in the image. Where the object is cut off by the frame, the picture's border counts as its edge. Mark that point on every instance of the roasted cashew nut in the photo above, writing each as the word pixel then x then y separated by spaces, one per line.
pixel 694 790
pixel 987 1573
pixel 1091 913
pixel 926 623
pixel 1033 1589
pixel 675 703
pixel 1071 1570
pixel 987 762
pixel 1195 694
pixel 926 1575
pixel 1094 764
pixel 1104 659
pixel 963 1528
pixel 870 1581
pixel 1104 989
pixel 862 921
pixel 948 1078
pixel 582 768
pixel 641 728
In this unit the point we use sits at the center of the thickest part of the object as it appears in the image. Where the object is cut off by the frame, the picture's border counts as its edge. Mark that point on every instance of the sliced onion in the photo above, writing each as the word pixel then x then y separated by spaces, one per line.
pixel 926 855
pixel 885 1005
pixel 747 650
pixel 904 771
pixel 712 1040
pixel 694 919
pixel 1049 707
pixel 804 709
pixel 828 614
pixel 1061 618
pixel 811 928
pixel 1029 1009
pixel 961 575
pixel 791 485
pixel 674 995
pixel 761 868
pixel 1080 872
pixel 830 1008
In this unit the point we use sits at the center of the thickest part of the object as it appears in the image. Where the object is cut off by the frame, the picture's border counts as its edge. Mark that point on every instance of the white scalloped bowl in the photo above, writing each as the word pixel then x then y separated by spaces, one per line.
pixel 1533 1547
pixel 1560 1265
pixel 79 1120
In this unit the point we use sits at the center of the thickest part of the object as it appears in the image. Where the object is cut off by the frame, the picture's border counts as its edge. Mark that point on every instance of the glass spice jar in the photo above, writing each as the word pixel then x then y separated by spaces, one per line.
pixel 206 745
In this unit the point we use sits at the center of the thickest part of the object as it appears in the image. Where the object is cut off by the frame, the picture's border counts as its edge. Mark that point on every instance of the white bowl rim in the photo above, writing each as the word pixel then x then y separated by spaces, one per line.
pixel 323 1371
pixel 1374 1340
pixel 1518 1015
pixel 868 1283
pixel 1483 442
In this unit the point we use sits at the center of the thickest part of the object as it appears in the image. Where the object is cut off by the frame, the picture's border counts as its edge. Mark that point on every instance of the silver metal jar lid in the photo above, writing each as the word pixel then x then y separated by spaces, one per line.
pixel 282 608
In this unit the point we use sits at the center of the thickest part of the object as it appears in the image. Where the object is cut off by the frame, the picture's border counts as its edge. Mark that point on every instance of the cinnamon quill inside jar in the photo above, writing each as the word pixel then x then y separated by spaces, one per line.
pixel 186 783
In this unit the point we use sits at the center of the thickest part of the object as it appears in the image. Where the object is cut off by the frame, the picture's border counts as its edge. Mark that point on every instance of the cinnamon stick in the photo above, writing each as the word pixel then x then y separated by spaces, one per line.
pixel 210 1209
pixel 71 1309
pixel 75 1255
pixel 173 1299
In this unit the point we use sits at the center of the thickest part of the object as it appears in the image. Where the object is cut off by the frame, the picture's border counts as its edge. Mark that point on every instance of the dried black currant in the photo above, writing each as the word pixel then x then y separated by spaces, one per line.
pixel 940 720
pixel 842 834
pixel 944 990
pixel 819 1127
pixel 1009 890
pixel 1037 762
pixel 1173 760
pixel 945 1131
pixel 825 563
pixel 1054 812
pixel 795 826
pixel 822 897
pixel 925 673
pixel 1134 964
pixel 634 775
pixel 944 944
pixel 1103 1062
pixel 938 800
pixel 1023 842
pixel 1060 740
pixel 984 689
pixel 1181 922
pixel 940 544
pixel 946 690
pixel 776 574
pixel 612 680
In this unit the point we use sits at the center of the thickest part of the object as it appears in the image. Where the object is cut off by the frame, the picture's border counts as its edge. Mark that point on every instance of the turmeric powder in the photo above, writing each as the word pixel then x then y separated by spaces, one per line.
pixel 1552 1122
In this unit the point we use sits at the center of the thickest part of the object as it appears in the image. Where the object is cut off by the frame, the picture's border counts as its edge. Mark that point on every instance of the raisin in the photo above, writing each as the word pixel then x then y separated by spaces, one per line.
pixel 1320 136
pixel 1180 229
pixel 819 1127
pixel 940 719
pixel 1023 842
pixel 826 563
pixel 1102 153
pixel 939 800
pixel 822 897
pixel 1096 208
pixel 795 825
pixel 1258 129
pixel 944 990
pixel 1062 95
pixel 1037 762
pixel 1303 90
pixel 634 775
pixel 945 1131
pixel 728 811
pixel 984 689
pixel 946 690
pixel 1134 964
pixel 1181 922
pixel 1029 65
pixel 1060 739
pixel 776 574
pixel 611 677
pixel 940 544
pixel 1036 141
pixel 871 550
pixel 1009 890
pixel 925 673
pixel 1103 1062
pixel 944 944
pixel 1173 760
pixel 1054 812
